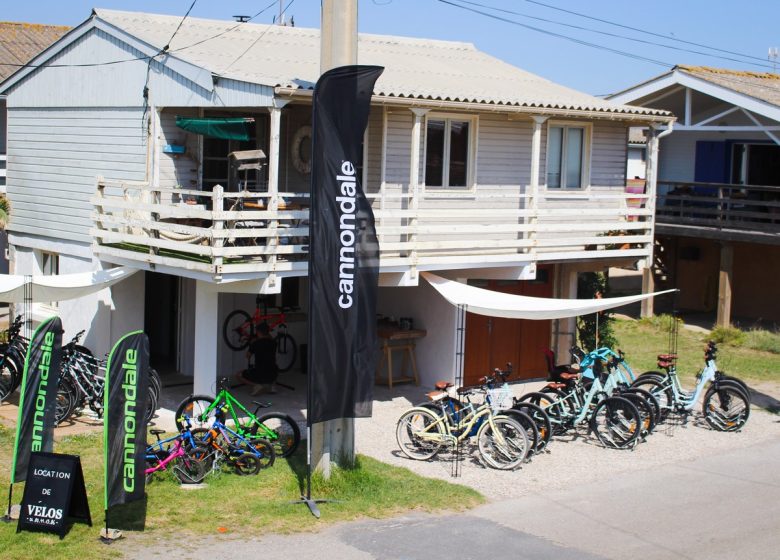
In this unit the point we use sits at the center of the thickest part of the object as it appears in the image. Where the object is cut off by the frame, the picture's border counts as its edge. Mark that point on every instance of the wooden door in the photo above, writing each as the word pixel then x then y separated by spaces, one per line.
pixel 491 342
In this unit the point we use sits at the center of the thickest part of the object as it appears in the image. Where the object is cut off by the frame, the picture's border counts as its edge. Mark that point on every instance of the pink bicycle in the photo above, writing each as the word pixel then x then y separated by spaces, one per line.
pixel 180 453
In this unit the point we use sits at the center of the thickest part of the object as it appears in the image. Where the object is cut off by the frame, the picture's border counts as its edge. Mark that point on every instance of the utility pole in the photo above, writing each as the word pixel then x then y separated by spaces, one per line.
pixel 334 441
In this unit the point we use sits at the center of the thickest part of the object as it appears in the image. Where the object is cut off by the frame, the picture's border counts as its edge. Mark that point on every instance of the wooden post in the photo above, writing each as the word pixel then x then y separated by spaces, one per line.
pixel 536 155
pixel 218 242
pixel 648 285
pixel 724 284
pixel 334 441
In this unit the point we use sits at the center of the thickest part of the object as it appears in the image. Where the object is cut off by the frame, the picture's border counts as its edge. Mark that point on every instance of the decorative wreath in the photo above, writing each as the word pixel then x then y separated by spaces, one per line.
pixel 300 160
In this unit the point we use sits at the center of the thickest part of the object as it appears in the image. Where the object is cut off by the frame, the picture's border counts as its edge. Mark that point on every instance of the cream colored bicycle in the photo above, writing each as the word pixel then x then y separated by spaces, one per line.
pixel 501 441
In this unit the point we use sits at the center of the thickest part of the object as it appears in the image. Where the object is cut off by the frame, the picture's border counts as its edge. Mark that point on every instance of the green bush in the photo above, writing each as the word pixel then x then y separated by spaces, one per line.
pixel 591 285
pixel 766 341
pixel 728 335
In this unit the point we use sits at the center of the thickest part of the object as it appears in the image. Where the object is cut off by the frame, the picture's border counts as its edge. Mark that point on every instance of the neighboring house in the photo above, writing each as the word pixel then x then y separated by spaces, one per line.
pixel 19 42
pixel 476 170
pixel 718 211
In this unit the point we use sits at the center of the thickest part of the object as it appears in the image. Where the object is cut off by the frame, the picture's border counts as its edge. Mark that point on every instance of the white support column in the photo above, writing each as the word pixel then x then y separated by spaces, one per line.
pixel 274 156
pixel 688 106
pixel 536 156
pixel 414 184
pixel 651 186
pixel 567 327
pixel 206 338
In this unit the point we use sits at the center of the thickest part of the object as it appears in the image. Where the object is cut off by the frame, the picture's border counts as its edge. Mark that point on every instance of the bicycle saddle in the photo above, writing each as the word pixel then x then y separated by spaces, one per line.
pixel 556 385
pixel 156 432
pixel 262 404
pixel 443 385
pixel 436 395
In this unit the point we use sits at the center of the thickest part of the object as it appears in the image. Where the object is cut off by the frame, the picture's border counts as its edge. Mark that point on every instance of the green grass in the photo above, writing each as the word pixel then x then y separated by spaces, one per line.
pixel 644 339
pixel 231 504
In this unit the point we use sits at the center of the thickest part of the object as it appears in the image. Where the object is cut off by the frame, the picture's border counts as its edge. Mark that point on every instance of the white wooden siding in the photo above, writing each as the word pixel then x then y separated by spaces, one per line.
pixel 122 85
pixel 178 169
pixel 608 155
pixel 54 157
pixel 373 163
pixel 504 156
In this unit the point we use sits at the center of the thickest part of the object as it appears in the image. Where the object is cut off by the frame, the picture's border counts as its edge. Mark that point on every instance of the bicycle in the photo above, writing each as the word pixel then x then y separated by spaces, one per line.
pixel 614 419
pixel 239 327
pixel 12 359
pixel 183 453
pixel 532 418
pixel 278 428
pixel 502 442
pixel 726 401
pixel 226 443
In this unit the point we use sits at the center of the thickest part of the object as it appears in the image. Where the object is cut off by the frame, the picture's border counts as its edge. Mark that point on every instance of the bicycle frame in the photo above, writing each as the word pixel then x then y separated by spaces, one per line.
pixel 224 398
pixel 175 453
pixel 686 399
pixel 465 428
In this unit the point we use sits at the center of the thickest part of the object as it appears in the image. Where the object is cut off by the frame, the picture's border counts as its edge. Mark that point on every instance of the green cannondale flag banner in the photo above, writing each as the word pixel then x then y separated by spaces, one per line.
pixel 343 251
pixel 124 429
pixel 38 399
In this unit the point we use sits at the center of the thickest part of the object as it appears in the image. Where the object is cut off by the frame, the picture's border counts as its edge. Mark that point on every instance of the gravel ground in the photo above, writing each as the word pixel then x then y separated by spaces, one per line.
pixel 573 458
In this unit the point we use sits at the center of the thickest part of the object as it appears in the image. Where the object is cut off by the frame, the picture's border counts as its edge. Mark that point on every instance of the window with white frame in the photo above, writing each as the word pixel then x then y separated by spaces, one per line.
pixel 50 266
pixel 566 156
pixel 448 151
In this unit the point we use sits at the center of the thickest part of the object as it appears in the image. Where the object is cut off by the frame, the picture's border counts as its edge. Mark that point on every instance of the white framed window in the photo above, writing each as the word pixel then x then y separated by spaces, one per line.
pixel 568 155
pixel 450 144
pixel 50 266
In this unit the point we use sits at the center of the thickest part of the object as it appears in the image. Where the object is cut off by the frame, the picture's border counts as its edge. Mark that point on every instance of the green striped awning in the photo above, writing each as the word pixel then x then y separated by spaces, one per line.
pixel 227 128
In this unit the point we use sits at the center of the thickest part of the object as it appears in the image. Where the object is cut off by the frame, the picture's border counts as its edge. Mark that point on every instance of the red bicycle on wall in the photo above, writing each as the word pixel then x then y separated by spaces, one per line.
pixel 239 329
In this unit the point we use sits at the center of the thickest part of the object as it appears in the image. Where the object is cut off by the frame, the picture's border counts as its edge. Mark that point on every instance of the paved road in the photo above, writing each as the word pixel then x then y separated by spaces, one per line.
pixel 723 506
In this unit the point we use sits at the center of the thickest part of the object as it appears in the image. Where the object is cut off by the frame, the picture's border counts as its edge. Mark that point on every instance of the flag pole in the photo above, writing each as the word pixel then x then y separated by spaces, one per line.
pixel 7 517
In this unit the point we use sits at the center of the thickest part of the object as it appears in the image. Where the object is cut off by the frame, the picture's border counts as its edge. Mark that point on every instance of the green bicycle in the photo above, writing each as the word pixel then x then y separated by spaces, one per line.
pixel 278 428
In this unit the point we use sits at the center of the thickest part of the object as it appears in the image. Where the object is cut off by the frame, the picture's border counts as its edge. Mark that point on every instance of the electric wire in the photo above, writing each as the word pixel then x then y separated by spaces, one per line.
pixel 763 64
pixel 290 3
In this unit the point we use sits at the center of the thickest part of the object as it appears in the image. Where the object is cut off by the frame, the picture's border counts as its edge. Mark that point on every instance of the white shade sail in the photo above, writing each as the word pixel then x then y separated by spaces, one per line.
pixel 511 306
pixel 60 287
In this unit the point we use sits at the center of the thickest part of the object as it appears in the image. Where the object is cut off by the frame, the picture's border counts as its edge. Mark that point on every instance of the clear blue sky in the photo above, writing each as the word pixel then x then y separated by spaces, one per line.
pixel 747 27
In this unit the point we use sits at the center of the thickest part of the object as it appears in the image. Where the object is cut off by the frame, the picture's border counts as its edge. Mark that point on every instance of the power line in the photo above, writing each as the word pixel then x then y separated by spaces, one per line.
pixel 256 40
pixel 618 36
pixel 667 65
pixel 639 30
pixel 559 35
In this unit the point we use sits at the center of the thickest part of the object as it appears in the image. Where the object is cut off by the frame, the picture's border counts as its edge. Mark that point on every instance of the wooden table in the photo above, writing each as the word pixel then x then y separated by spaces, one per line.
pixel 394 339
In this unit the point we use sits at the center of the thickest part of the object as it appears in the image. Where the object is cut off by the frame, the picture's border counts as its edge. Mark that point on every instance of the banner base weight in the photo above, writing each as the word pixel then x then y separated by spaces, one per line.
pixel 108 536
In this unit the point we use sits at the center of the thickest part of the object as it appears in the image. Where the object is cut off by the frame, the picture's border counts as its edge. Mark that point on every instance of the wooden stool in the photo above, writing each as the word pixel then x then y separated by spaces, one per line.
pixel 403 341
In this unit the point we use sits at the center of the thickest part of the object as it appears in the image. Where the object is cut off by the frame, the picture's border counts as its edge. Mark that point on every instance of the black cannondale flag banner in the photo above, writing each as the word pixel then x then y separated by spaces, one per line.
pixel 38 397
pixel 343 251
pixel 124 429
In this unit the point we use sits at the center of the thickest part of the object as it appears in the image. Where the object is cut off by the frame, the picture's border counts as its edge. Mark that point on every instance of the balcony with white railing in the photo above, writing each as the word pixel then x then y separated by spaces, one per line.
pixel 728 212
pixel 228 236
pixel 3 167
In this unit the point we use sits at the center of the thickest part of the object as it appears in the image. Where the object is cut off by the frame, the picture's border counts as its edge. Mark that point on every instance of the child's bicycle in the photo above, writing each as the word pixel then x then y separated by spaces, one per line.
pixel 246 456
pixel 239 329
pixel 278 428
pixel 181 452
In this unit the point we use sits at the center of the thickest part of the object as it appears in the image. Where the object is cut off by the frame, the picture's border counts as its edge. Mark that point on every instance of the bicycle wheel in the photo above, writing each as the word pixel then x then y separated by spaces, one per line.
pixel 188 469
pixel 726 408
pixel 531 431
pixel 742 385
pixel 155 383
pixel 661 389
pixel 540 417
pixel 237 330
pixel 502 443
pixel 419 434
pixel 651 400
pixel 556 409
pixel 264 452
pixel 65 401
pixel 245 463
pixel 195 407
pixel 286 352
pixel 151 406
pixel 616 422
pixel 207 444
pixel 8 375
pixel 645 410
pixel 280 429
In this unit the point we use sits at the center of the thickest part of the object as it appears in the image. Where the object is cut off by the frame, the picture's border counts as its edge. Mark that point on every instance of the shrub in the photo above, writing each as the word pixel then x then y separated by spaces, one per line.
pixel 728 335
pixel 766 341
pixel 590 285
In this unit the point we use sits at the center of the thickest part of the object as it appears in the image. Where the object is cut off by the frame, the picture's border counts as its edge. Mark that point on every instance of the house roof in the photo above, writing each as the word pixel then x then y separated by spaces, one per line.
pixel 758 92
pixel 421 69
pixel 759 85
pixel 19 42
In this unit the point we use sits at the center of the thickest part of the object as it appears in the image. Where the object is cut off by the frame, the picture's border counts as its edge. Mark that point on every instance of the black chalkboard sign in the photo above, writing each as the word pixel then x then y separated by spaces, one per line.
pixel 54 494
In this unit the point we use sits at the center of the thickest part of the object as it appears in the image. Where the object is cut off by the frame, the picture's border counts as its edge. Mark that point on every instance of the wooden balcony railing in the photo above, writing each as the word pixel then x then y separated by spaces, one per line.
pixel 3 165
pixel 242 234
pixel 737 211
